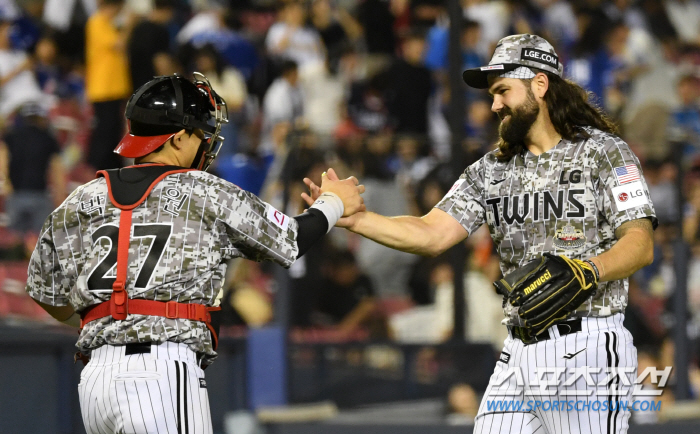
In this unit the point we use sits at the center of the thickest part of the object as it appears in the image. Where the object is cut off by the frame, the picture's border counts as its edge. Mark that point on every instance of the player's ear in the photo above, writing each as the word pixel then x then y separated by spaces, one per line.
pixel 540 84
pixel 178 138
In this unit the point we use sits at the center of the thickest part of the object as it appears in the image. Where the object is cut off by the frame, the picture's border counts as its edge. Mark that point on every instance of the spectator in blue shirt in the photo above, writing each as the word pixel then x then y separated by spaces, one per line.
pixel 684 123
pixel 437 44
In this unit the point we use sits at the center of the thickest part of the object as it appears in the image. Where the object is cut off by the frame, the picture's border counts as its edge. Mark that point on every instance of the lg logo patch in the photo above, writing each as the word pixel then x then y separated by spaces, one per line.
pixel 629 196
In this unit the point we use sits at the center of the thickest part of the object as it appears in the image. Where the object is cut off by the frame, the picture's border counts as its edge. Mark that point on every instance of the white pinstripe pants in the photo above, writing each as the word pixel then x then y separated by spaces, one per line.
pixel 601 343
pixel 158 392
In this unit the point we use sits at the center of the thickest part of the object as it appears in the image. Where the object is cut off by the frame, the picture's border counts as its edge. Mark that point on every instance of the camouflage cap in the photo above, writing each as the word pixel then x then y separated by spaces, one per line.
pixel 512 52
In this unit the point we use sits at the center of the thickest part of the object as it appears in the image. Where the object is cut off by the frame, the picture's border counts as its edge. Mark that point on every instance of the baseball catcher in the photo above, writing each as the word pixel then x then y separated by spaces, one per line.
pixel 137 259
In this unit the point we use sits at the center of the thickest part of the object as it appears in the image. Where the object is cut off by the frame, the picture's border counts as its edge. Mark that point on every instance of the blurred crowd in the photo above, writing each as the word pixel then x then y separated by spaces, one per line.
pixel 360 86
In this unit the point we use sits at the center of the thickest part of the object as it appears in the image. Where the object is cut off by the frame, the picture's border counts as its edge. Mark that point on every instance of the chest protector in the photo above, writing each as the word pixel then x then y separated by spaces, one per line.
pixel 128 188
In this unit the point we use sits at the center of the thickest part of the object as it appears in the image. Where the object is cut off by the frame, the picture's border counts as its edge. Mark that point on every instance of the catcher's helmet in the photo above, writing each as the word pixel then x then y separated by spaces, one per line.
pixel 168 104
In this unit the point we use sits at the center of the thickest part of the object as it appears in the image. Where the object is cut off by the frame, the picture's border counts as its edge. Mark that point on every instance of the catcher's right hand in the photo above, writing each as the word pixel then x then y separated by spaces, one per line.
pixel 547 290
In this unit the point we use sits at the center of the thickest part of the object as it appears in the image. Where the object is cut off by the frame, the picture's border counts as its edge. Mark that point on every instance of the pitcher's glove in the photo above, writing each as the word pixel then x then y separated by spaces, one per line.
pixel 547 290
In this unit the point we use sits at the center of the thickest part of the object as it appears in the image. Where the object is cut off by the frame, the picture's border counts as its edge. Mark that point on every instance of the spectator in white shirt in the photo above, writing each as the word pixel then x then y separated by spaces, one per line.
pixel 283 103
pixel 685 16
pixel 289 38
pixel 18 85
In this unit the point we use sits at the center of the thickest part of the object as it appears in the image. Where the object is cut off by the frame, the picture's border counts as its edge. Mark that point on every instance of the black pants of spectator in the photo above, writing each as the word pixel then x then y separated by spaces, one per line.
pixel 108 131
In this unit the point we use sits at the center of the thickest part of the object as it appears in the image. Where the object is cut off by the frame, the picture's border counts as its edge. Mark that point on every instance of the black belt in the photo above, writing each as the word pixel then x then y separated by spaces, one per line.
pixel 565 328
pixel 137 348
pixel 143 348
pixel 129 349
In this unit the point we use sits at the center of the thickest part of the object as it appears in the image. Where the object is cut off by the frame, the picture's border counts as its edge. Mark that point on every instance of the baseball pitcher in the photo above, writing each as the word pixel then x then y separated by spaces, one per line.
pixel 569 211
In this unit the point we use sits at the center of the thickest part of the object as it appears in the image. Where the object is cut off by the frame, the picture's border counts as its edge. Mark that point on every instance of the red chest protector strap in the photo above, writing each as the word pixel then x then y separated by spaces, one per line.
pixel 120 305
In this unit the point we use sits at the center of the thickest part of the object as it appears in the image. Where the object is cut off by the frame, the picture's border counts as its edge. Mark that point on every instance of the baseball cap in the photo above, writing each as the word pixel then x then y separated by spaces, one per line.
pixel 513 52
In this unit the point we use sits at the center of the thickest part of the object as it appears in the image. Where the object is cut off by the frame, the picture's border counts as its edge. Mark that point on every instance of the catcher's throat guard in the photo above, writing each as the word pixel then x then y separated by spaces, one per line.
pixel 211 145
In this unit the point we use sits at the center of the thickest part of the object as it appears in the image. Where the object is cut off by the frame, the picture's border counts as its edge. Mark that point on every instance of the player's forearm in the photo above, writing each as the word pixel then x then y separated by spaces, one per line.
pixel 406 233
pixel 64 314
pixel 632 252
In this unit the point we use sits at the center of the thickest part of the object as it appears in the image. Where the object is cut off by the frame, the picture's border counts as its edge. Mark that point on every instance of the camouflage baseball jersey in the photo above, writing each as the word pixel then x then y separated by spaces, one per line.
pixel 567 201
pixel 182 236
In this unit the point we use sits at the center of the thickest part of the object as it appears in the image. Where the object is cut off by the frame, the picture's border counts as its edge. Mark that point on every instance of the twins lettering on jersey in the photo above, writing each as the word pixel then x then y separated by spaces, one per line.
pixel 552 204
pixel 517 208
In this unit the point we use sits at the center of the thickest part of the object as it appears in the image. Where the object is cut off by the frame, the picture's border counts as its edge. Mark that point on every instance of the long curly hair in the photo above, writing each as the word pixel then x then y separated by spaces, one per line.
pixel 570 109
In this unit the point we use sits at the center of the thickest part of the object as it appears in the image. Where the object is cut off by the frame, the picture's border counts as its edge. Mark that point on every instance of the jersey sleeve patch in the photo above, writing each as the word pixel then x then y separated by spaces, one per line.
pixel 455 187
pixel 278 218
pixel 629 196
pixel 626 174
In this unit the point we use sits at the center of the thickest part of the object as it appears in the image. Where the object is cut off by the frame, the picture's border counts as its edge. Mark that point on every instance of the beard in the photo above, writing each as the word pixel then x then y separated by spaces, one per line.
pixel 515 129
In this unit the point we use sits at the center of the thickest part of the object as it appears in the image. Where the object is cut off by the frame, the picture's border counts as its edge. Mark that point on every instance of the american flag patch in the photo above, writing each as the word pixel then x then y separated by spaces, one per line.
pixel 627 173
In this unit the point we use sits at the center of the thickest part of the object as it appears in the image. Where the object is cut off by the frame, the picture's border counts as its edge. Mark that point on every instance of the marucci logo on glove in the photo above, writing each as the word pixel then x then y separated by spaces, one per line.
pixel 539 282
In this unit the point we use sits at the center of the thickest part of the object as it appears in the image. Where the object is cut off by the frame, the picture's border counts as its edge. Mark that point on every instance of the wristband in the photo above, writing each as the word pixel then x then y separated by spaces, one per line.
pixel 594 267
pixel 331 206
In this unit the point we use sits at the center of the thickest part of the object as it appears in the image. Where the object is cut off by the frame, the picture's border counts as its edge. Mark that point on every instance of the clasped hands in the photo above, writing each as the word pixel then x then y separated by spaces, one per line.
pixel 349 191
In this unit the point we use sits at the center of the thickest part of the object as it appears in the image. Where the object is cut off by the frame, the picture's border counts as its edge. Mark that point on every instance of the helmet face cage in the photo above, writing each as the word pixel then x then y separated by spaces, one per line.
pixel 211 145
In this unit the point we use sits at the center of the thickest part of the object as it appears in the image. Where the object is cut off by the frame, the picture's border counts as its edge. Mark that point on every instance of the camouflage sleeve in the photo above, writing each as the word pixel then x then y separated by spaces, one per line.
pixel 257 230
pixel 622 193
pixel 465 200
pixel 46 281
